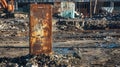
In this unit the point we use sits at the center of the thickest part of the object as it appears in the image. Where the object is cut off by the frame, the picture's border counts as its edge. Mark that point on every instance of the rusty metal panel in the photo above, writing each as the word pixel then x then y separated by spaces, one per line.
pixel 40 28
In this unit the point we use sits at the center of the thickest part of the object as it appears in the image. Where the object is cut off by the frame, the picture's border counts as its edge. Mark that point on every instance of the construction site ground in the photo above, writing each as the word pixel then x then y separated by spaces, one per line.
pixel 70 48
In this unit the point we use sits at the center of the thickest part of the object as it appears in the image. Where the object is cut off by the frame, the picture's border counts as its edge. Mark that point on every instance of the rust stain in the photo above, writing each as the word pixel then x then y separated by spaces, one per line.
pixel 40 28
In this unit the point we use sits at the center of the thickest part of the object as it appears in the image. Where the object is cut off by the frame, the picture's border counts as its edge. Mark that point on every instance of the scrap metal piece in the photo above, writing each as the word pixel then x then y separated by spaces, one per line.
pixel 40 28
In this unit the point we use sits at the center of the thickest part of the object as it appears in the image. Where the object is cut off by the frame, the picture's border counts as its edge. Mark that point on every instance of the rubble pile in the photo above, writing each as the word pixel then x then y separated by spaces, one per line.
pixel 14 27
pixel 42 60
pixel 115 57
pixel 87 24
pixel 13 24
pixel 110 17
pixel 82 57
pixel 103 23
pixel 96 24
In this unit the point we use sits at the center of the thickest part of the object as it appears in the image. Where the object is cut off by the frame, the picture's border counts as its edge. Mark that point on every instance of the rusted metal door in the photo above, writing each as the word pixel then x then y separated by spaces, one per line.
pixel 40 28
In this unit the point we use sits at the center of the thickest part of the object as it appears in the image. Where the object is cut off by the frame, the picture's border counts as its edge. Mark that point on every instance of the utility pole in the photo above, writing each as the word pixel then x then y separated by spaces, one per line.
pixel 90 8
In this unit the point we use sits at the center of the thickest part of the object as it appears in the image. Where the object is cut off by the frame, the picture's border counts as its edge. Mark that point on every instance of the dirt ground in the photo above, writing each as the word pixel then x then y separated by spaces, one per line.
pixel 89 57
pixel 75 53
pixel 70 49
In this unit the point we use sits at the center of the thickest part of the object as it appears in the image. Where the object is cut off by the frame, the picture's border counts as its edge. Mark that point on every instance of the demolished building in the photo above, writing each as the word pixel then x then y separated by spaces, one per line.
pixel 82 6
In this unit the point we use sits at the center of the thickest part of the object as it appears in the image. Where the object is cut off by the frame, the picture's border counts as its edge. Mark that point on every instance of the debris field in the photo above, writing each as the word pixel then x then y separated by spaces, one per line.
pixel 70 48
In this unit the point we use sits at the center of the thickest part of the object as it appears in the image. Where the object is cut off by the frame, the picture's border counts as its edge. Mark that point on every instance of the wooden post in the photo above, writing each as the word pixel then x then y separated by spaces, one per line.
pixel 90 8
pixel 95 6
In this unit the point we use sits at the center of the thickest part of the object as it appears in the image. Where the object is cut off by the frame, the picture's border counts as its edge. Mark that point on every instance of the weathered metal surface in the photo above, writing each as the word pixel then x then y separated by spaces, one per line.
pixel 40 28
